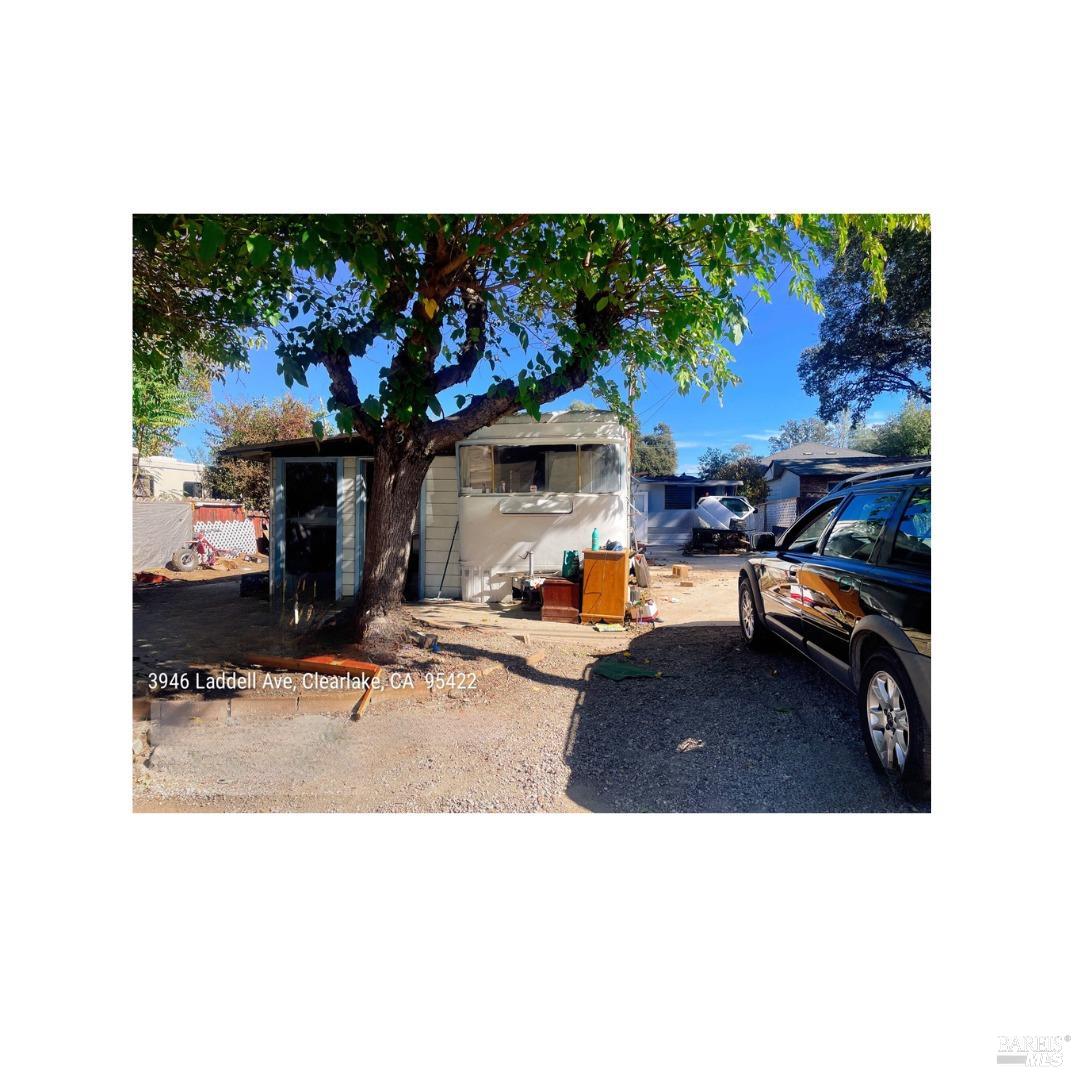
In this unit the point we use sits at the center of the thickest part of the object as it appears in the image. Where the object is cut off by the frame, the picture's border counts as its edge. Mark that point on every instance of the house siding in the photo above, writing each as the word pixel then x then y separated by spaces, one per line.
pixel 439 516
pixel 347 501
pixel 786 486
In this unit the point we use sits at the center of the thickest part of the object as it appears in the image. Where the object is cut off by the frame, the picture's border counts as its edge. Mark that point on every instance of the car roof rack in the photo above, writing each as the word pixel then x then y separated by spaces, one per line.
pixel 920 468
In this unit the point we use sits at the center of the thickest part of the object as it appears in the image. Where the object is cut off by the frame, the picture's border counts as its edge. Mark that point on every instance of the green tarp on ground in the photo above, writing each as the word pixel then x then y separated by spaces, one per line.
pixel 611 668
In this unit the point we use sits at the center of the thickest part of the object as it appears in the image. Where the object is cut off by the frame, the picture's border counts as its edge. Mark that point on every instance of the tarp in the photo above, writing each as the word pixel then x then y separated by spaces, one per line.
pixel 158 529
pixel 611 668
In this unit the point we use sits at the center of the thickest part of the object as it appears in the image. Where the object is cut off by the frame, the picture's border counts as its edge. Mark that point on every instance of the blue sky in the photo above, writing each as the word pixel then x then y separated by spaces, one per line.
pixel 769 393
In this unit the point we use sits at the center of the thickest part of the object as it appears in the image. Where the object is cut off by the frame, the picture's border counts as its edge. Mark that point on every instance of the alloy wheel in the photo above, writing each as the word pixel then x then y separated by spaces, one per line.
pixel 746 607
pixel 886 715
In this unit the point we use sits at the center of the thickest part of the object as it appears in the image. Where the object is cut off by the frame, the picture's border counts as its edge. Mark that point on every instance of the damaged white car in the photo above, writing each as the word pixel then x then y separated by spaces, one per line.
pixel 723 512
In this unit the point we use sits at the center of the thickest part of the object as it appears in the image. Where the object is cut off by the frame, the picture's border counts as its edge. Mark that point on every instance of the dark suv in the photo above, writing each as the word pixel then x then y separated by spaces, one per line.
pixel 849 586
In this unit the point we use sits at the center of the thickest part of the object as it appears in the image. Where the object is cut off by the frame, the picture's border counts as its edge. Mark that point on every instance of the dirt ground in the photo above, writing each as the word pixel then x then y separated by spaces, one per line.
pixel 721 728
pixel 222 568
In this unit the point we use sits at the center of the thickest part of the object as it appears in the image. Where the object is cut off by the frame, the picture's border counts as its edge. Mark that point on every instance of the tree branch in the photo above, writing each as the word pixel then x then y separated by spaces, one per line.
pixel 473 348
pixel 594 328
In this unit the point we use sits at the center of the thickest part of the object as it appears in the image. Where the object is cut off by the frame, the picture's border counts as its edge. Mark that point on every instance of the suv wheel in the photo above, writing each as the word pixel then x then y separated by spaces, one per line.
pixel 892 723
pixel 755 633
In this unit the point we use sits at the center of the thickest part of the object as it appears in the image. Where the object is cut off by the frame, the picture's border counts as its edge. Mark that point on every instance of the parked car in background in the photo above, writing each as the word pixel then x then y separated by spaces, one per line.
pixel 848 585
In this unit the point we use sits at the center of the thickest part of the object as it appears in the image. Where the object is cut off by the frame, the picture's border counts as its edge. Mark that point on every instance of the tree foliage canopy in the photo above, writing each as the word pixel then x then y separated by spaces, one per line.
pixel 871 346
pixel 201 297
pixel 907 434
pixel 737 463
pixel 793 432
pixel 655 454
pixel 241 424
pixel 445 293
pixel 160 406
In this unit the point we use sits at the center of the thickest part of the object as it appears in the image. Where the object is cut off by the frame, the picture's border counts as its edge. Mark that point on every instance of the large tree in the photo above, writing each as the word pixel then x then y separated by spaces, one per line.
pixel 793 432
pixel 435 296
pixel 198 307
pixel 161 404
pixel 655 454
pixel 199 303
pixel 871 346
pixel 244 423
pixel 906 434
pixel 737 463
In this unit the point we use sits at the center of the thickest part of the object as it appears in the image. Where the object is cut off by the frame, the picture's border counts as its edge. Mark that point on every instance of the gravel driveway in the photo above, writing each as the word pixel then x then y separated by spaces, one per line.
pixel 723 729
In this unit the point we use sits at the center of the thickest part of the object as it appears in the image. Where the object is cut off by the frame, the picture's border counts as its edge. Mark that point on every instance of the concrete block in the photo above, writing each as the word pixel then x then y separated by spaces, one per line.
pixel 312 704
pixel 190 711
pixel 254 708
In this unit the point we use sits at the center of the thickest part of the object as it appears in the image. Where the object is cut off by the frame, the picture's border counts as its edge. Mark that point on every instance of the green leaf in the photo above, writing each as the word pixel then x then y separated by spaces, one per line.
pixel 602 303
pixel 259 249
pixel 211 239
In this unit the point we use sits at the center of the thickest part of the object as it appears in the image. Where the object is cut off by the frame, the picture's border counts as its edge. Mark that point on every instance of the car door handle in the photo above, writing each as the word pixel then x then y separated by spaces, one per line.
pixel 845 583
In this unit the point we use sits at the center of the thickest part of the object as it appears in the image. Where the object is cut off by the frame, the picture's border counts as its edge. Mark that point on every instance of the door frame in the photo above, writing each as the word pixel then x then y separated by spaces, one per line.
pixel 277 579
pixel 359 519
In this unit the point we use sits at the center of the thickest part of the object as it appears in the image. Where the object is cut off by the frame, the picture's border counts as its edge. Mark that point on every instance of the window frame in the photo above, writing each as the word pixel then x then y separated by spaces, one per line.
pixel 887 529
pixel 812 514
pixel 577 447
pixel 888 559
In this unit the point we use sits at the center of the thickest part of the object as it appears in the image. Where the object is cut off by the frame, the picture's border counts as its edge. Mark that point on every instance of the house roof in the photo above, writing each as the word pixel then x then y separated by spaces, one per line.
pixel 310 447
pixel 578 424
pixel 672 478
pixel 837 464
pixel 812 450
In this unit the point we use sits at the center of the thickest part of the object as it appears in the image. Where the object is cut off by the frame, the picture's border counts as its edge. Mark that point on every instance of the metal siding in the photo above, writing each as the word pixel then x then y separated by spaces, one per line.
pixel 438 515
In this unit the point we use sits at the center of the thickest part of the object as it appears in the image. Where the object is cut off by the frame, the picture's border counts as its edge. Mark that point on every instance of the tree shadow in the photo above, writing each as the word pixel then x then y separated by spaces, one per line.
pixel 724 729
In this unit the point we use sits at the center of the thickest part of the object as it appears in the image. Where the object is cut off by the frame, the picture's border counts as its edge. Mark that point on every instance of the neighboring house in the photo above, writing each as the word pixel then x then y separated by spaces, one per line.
pixel 798 476
pixel 167 478
pixel 663 506
pixel 517 488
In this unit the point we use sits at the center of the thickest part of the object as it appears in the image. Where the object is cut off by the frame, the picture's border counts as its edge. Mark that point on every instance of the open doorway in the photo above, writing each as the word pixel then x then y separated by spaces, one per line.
pixel 311 528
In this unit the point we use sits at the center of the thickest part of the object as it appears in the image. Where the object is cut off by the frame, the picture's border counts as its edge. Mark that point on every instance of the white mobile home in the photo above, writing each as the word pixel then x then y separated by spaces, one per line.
pixel 513 497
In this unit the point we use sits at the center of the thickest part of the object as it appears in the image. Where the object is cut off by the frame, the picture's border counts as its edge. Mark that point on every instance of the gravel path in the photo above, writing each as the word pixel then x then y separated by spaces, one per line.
pixel 723 729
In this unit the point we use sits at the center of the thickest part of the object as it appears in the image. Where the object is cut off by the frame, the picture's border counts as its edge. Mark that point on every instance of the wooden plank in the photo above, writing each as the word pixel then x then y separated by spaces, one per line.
pixel 321 665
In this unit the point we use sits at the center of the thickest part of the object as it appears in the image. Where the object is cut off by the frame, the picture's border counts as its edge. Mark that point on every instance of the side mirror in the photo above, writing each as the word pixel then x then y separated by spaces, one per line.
pixel 763 541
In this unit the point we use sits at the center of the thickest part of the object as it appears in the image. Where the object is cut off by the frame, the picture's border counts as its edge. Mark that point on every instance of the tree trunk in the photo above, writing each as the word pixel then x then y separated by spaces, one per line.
pixel 393 502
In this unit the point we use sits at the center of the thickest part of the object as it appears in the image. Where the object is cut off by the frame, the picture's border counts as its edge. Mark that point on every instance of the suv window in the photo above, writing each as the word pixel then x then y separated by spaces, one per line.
pixel 859 525
pixel 805 540
pixel 912 544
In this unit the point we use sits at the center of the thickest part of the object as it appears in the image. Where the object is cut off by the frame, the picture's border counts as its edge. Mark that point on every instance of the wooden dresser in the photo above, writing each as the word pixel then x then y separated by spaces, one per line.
pixel 605 586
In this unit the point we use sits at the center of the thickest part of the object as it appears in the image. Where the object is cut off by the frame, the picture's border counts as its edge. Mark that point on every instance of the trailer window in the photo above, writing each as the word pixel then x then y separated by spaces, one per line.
pixel 476 469
pixel 521 469
pixel 601 469
pixel 596 468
